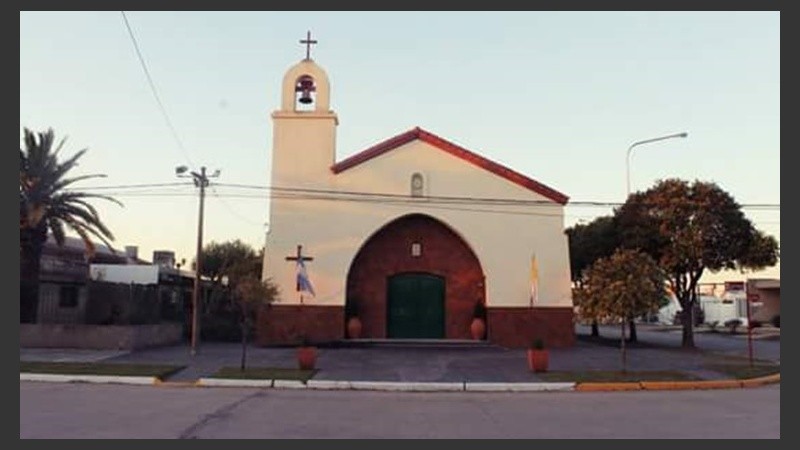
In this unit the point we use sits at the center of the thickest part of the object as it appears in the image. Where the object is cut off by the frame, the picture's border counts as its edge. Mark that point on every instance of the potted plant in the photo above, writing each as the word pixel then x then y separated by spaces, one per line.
pixel 538 356
pixel 477 328
pixel 353 322
pixel 306 354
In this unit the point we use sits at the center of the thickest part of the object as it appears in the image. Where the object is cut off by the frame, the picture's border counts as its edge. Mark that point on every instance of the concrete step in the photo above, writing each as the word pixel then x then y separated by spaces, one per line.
pixel 410 343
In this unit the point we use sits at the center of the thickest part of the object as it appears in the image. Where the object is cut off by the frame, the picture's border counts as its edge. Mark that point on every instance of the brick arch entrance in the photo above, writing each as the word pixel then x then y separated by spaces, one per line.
pixel 415 245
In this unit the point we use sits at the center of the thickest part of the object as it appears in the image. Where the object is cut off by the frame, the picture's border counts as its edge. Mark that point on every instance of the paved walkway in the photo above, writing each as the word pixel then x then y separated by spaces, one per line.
pixel 433 364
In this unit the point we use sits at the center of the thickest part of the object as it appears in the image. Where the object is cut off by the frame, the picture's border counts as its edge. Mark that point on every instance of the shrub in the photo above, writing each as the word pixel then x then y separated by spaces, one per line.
pixel 351 308
pixel 306 341
pixel 479 311
pixel 537 344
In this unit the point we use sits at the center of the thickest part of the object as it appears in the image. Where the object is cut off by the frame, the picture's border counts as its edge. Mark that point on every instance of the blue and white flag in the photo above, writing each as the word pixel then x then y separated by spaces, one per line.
pixel 303 283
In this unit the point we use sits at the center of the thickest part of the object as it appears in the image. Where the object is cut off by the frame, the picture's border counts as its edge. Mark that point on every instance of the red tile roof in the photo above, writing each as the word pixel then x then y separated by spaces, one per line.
pixel 455 150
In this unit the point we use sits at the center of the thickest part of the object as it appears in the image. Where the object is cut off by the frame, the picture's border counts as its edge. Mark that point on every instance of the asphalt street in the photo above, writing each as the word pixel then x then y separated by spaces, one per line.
pixel 55 410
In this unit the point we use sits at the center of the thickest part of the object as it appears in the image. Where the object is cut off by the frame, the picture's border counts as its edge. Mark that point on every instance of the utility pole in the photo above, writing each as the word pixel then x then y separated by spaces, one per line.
pixel 200 181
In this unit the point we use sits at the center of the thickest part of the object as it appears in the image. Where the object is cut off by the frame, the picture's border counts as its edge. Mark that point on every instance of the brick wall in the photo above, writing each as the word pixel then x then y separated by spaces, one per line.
pixel 287 324
pixel 518 327
pixel 443 253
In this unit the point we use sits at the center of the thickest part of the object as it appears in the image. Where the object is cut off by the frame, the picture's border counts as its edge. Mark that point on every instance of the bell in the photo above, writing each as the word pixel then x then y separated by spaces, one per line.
pixel 305 86
pixel 305 98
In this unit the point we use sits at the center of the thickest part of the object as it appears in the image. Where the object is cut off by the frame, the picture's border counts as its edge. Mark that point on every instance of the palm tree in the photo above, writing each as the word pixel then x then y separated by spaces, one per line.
pixel 46 204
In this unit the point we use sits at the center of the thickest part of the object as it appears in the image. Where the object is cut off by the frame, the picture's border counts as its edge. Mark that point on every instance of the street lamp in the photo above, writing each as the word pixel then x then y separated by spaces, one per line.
pixel 646 141
pixel 628 186
pixel 201 181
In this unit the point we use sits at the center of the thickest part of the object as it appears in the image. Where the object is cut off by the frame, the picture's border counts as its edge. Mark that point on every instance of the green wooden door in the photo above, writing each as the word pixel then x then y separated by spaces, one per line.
pixel 415 307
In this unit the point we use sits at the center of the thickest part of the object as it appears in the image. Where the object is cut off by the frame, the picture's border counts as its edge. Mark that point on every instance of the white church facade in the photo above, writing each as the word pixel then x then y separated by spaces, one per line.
pixel 415 230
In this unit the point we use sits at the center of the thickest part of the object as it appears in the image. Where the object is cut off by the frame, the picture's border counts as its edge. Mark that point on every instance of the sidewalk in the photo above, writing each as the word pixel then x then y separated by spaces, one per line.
pixel 490 364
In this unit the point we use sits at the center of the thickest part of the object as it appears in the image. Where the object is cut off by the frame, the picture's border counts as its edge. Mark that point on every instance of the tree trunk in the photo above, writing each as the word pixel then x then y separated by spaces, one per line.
pixel 632 326
pixel 688 324
pixel 31 242
pixel 595 329
pixel 622 347
pixel 244 345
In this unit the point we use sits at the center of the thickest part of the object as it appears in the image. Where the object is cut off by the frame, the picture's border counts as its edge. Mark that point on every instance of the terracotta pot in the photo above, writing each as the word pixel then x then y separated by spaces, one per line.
pixel 354 327
pixel 477 329
pixel 538 360
pixel 306 357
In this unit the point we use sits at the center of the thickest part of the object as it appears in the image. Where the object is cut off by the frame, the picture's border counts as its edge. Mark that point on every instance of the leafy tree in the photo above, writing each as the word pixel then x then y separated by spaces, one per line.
pixel 235 269
pixel 688 228
pixel 219 257
pixel 220 316
pixel 47 203
pixel 248 292
pixel 625 285
pixel 588 243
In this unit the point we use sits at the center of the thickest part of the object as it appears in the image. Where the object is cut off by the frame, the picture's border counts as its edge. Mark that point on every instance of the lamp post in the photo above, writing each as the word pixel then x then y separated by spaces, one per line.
pixel 646 141
pixel 628 192
pixel 201 181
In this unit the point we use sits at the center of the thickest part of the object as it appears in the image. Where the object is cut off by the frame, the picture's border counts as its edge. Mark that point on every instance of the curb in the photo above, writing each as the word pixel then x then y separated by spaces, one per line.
pixel 690 385
pixel 520 387
pixel 102 379
pixel 395 386
pixel 389 386
pixel 330 384
pixel 400 386
pixel 232 382
pixel 607 387
pixel 761 381
pixel 678 385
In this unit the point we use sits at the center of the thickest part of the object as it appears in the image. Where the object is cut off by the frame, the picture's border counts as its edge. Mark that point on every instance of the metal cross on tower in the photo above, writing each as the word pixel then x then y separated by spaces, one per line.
pixel 309 42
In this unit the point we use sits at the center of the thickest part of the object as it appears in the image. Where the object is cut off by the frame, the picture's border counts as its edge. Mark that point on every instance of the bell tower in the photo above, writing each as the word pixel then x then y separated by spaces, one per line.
pixel 304 128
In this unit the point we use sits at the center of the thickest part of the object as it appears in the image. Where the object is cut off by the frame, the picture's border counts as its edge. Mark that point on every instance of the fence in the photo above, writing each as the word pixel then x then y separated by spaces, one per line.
pixel 133 304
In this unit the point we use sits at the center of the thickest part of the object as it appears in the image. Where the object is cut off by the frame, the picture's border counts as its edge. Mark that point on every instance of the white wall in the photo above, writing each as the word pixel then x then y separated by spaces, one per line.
pixel 116 273
pixel 333 231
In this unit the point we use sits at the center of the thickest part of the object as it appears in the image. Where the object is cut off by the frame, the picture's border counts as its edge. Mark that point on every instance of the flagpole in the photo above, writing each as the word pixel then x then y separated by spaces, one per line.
pixel 534 288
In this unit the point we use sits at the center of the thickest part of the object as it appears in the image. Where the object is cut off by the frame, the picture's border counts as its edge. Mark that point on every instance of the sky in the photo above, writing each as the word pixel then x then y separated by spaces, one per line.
pixel 557 96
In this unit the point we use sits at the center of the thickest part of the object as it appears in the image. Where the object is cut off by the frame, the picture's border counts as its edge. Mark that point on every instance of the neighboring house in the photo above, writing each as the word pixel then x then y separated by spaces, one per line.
pixel 161 288
pixel 112 301
pixel 68 279
pixel 766 292
pixel 64 273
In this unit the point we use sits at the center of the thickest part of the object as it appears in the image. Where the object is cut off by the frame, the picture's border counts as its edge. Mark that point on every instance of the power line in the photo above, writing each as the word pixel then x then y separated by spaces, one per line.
pixel 326 194
pixel 232 210
pixel 462 199
pixel 136 186
pixel 153 89
pixel 385 202
pixel 446 199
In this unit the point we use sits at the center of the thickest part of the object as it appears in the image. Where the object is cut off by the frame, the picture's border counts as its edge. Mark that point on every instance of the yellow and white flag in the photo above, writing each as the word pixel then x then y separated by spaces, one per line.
pixel 534 280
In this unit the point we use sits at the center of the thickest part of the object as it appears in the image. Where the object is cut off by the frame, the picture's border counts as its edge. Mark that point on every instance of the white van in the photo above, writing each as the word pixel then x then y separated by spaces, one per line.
pixel 731 306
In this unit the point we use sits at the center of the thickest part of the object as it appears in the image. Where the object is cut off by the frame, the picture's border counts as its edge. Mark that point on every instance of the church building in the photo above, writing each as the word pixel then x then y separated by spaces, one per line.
pixel 411 233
